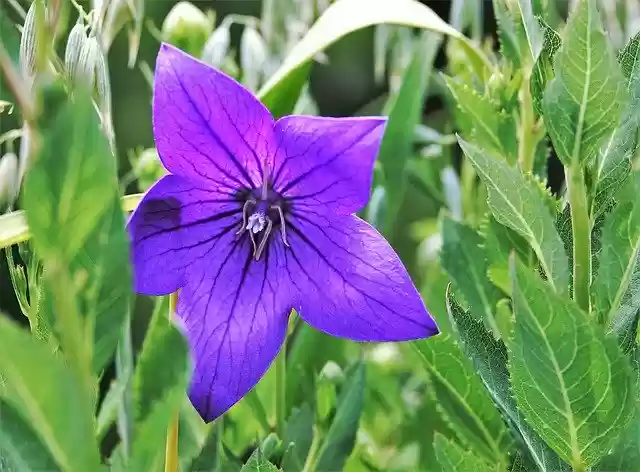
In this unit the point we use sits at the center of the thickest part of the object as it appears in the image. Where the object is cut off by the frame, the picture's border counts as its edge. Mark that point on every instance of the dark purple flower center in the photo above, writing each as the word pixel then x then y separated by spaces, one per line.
pixel 263 211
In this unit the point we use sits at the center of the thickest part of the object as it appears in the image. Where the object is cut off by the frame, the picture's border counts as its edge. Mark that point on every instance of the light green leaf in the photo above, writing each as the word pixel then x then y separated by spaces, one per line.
pixel 616 292
pixel 406 112
pixel 49 396
pixel 454 458
pixel 20 447
pixel 534 34
pixel 159 383
pixel 573 384
pixel 341 437
pixel 462 398
pixel 517 203
pixel 542 71
pixel 614 159
pixel 508 29
pixel 582 104
pixel 488 123
pixel 489 359
pixel 257 463
pixel 464 259
pixel 281 91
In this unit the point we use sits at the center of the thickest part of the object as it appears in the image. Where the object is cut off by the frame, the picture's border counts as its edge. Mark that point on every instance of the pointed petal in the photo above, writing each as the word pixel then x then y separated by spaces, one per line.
pixel 351 282
pixel 207 127
pixel 326 162
pixel 235 315
pixel 176 225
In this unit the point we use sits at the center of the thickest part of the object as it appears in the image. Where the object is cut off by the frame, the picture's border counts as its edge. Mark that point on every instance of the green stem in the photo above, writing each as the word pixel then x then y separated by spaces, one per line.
pixel 281 390
pixel 526 143
pixel 581 229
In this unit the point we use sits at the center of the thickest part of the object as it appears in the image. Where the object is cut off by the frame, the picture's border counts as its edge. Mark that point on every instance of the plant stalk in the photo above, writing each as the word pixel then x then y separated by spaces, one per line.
pixel 171 451
pixel 281 390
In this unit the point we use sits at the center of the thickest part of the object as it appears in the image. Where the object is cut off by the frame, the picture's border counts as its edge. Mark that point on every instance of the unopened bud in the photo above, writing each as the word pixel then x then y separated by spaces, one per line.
pixel 75 43
pixel 186 27
pixel 103 82
pixel 8 178
pixel 253 55
pixel 216 47
pixel 85 72
pixel 28 42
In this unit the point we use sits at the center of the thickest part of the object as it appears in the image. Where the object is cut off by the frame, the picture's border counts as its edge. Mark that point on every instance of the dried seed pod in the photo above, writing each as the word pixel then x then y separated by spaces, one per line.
pixel 86 70
pixel 28 42
pixel 217 46
pixel 253 55
pixel 75 43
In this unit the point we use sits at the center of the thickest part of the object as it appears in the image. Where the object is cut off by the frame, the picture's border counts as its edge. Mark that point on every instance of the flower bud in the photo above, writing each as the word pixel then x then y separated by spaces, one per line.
pixel 85 73
pixel 28 42
pixel 75 43
pixel 186 27
pixel 216 47
pixel 253 55
pixel 8 178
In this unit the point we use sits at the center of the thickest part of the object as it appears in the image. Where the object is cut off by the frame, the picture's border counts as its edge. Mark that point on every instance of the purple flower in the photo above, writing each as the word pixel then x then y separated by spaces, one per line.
pixel 256 218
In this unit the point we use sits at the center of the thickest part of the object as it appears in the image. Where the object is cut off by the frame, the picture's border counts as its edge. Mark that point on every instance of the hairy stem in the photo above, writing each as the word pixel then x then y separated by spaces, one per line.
pixel 581 229
pixel 171 451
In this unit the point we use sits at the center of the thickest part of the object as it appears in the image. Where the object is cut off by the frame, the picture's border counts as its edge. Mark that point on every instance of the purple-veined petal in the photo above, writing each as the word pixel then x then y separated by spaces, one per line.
pixel 176 225
pixel 235 313
pixel 351 282
pixel 207 127
pixel 326 162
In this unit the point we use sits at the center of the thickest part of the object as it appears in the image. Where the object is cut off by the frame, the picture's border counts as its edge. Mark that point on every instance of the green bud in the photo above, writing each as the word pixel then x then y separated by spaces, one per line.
pixel 217 46
pixel 75 43
pixel 186 27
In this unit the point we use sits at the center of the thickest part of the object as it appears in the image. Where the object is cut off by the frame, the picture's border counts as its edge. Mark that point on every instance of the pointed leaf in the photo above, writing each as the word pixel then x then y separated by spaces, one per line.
pixel 516 202
pixel 582 104
pixel 297 439
pixel 50 398
pixel 489 358
pixel 573 385
pixel 454 458
pixel 542 71
pixel 258 463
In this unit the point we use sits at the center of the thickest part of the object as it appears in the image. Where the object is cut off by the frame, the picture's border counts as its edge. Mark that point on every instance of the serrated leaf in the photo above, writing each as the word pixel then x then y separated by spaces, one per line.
pixel 489 359
pixel 20 447
pixel 614 159
pixel 582 104
pixel 508 30
pixel 616 292
pixel 297 438
pixel 516 202
pixel 573 385
pixel 535 38
pixel 462 398
pixel 542 71
pixel 488 124
pixel 258 463
pixel 340 439
pixel 50 398
pixel 464 259
pixel 454 458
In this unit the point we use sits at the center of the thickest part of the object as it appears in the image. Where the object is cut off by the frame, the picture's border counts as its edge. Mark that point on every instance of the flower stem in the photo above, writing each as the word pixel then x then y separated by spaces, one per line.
pixel 581 229
pixel 281 390
pixel 171 451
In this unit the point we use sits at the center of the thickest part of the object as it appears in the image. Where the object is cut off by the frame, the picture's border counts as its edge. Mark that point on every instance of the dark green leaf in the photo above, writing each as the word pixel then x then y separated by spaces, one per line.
pixel 454 458
pixel 48 395
pixel 489 359
pixel 582 104
pixel 564 370
pixel 211 455
pixel 297 439
pixel 517 203
pixel 257 463
pixel 10 41
pixel 542 72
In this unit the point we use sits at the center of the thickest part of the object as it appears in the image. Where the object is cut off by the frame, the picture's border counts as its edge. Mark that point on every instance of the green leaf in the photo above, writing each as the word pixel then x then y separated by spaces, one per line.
pixel 489 359
pixel 614 159
pixel 582 104
pixel 616 292
pixel 281 91
pixel 573 384
pixel 20 446
pixel 491 128
pixel 257 463
pixel 159 383
pixel 71 200
pixel 10 40
pixel 542 72
pixel 462 398
pixel 49 397
pixel 210 457
pixel 508 30
pixel 406 112
pixel 517 203
pixel 464 259
pixel 297 438
pixel 454 458
pixel 338 442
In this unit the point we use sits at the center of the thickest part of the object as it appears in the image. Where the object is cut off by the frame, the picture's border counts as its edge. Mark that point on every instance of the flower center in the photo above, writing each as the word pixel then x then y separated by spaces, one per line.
pixel 259 217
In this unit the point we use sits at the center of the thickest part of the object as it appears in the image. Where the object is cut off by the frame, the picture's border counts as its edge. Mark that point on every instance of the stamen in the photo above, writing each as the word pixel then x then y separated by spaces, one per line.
pixel 263 242
pixel 256 222
pixel 283 225
pixel 245 207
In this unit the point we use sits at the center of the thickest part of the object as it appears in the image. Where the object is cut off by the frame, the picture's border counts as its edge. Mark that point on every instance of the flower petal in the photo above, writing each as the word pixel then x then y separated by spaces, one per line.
pixel 326 162
pixel 175 225
pixel 351 282
pixel 235 314
pixel 207 126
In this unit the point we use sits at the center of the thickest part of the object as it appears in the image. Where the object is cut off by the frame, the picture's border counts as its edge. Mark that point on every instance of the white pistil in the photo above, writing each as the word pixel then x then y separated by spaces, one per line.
pixel 257 222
